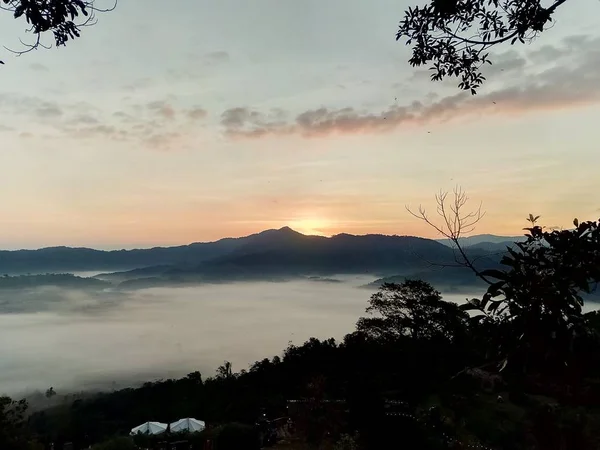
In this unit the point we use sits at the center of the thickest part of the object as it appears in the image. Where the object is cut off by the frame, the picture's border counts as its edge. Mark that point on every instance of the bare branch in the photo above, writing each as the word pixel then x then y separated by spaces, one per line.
pixel 455 224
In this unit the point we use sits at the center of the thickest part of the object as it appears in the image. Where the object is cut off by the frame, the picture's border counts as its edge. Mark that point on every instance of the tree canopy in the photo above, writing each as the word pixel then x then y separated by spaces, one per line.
pixel 454 37
pixel 413 308
pixel 64 19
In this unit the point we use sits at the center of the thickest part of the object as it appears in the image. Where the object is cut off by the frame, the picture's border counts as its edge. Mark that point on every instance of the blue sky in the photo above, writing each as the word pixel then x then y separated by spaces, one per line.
pixel 173 122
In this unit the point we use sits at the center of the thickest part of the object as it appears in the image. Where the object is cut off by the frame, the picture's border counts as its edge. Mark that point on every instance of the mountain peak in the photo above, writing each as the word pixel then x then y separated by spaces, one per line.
pixel 287 229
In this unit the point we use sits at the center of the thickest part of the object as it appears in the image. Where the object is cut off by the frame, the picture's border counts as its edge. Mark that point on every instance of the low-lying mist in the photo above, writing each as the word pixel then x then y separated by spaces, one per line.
pixel 78 340
pixel 73 339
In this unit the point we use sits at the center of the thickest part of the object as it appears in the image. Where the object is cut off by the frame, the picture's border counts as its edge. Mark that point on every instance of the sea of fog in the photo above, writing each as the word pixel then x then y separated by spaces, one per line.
pixel 74 340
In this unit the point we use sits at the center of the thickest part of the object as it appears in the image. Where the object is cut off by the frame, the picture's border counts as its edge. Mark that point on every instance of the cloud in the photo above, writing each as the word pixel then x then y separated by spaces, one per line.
pixel 197 113
pixel 163 141
pixel 242 121
pixel 122 115
pixel 49 110
pixel 85 119
pixel 565 84
pixel 570 46
pixel 87 132
pixel 216 57
pixel 162 108
pixel 140 84
pixel 510 62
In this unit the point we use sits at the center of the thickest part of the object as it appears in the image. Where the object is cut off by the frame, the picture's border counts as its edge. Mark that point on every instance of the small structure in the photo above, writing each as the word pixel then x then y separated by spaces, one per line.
pixel 152 428
pixel 189 425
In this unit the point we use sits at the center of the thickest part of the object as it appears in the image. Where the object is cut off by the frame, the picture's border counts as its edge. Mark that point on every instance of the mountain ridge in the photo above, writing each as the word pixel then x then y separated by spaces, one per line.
pixel 267 255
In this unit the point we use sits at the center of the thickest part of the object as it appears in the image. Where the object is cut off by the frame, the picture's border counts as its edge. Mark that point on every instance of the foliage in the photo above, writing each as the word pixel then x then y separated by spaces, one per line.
pixel 454 36
pixel 413 308
pixel 63 18
pixel 225 371
pixel 13 435
pixel 346 442
pixel 538 297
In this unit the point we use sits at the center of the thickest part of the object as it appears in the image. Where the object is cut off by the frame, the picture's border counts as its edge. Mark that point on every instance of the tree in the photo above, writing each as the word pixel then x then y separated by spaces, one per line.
pixel 225 371
pixel 63 18
pixel 539 294
pixel 13 436
pixel 414 309
pixel 456 223
pixel 454 36
pixel 535 299
pixel 50 393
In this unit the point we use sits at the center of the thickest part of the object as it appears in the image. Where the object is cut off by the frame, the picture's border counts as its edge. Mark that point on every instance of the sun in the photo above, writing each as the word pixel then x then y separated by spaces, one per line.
pixel 311 226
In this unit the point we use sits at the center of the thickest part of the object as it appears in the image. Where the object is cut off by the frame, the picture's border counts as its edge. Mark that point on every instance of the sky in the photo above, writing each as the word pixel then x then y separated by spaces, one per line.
pixel 191 120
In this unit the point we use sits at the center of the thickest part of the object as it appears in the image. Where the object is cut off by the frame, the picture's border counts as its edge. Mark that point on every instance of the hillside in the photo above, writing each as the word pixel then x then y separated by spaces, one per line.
pixel 276 255
pixel 270 255
pixel 484 240
pixel 284 253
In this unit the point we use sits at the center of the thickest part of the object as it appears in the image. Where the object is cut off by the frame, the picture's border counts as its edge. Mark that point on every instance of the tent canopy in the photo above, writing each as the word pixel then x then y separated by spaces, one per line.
pixel 150 428
pixel 188 424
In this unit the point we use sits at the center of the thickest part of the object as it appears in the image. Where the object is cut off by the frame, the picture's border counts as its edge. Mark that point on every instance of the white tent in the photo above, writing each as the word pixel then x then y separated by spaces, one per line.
pixel 150 428
pixel 190 425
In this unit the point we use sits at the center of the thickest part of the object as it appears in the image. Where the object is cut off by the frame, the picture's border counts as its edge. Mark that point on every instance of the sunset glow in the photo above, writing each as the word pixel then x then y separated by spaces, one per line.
pixel 227 137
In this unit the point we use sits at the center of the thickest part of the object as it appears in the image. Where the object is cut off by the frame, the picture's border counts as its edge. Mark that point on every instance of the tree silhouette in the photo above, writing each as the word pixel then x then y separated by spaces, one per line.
pixel 535 298
pixel 454 36
pixel 539 294
pixel 63 18
pixel 12 433
pixel 50 392
pixel 413 308
pixel 456 223
pixel 225 371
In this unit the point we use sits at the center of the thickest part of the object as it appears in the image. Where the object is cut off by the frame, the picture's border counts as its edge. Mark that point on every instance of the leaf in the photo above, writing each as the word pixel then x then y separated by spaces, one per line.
pixel 576 222
pixel 503 365
pixel 494 288
pixel 469 307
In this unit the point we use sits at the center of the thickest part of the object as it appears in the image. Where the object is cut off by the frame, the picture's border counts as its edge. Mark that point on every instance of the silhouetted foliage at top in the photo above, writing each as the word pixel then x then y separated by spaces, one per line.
pixel 454 37
pixel 63 18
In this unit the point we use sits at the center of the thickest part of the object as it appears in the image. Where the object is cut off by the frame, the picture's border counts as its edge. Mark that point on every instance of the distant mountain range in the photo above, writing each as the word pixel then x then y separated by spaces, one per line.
pixel 484 240
pixel 269 255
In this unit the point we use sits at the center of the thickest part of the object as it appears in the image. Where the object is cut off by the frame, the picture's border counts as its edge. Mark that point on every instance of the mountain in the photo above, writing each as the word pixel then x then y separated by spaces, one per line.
pixel 62 259
pixel 268 255
pixel 62 280
pixel 285 253
pixel 483 240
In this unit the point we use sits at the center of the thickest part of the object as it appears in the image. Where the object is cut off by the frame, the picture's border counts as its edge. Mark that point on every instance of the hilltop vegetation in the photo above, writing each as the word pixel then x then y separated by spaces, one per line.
pixel 63 280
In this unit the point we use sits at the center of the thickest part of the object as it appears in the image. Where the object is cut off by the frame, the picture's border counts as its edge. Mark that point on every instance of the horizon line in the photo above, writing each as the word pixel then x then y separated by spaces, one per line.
pixel 286 227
